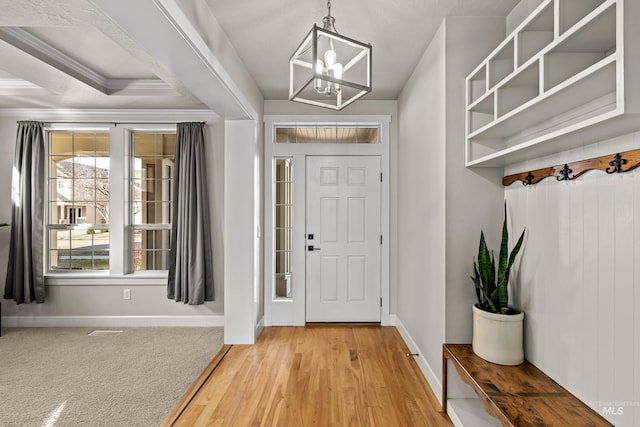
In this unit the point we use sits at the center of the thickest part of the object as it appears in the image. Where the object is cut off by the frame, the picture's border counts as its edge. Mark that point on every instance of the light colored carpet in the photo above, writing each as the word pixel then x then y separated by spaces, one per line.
pixel 63 377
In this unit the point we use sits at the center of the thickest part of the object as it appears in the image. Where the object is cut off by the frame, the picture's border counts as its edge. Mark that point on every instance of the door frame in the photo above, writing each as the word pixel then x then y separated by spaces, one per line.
pixel 291 311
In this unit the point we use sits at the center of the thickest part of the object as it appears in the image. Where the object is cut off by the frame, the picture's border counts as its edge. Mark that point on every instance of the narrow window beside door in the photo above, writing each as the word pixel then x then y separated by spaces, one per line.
pixel 283 227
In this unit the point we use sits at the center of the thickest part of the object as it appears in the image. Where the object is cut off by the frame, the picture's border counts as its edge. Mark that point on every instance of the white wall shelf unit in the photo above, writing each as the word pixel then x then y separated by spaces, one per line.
pixel 556 82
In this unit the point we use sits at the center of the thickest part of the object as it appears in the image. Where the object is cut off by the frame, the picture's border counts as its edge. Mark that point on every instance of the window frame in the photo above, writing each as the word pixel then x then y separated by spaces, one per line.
pixel 121 222
pixel 146 226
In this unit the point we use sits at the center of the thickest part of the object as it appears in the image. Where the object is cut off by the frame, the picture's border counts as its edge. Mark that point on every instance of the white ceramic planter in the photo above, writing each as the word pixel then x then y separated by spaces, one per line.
pixel 497 338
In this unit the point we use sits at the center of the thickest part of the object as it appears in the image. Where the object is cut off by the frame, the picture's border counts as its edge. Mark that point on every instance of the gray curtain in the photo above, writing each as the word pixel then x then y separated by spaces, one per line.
pixel 25 276
pixel 190 259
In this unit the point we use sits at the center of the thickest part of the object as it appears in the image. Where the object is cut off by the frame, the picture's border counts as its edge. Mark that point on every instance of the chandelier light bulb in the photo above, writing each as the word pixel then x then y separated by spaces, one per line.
pixel 317 84
pixel 330 58
pixel 337 70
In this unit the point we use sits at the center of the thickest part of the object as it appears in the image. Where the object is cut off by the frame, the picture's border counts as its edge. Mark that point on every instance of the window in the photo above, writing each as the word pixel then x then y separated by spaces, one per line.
pixel 78 198
pixel 109 200
pixel 283 214
pixel 327 134
pixel 153 157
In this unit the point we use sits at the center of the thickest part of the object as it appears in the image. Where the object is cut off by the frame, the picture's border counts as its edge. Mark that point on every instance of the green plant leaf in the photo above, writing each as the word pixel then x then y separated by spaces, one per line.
pixel 503 263
pixel 485 265
pixel 493 292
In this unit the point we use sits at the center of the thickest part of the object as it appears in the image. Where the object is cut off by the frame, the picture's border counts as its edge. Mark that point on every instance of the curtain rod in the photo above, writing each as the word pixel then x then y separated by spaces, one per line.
pixel 80 122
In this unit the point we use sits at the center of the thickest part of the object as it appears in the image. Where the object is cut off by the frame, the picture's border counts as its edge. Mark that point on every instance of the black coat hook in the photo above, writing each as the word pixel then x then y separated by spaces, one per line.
pixel 616 163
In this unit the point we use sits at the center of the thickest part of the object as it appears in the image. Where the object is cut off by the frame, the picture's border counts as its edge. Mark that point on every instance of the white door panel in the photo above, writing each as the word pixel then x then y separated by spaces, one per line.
pixel 343 227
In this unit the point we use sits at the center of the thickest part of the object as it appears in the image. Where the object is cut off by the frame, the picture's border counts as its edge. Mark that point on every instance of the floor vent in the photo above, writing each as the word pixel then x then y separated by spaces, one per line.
pixel 101 333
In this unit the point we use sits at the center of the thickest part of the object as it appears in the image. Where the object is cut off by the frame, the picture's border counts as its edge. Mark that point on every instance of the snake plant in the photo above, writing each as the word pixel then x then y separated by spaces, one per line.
pixel 491 289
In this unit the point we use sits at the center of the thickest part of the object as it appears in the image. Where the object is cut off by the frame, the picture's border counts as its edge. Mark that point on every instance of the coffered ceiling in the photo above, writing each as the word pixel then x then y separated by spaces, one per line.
pixel 118 54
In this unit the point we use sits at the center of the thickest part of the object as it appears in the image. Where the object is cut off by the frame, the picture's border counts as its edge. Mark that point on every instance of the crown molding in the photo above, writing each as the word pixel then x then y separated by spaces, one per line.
pixel 45 114
pixel 59 60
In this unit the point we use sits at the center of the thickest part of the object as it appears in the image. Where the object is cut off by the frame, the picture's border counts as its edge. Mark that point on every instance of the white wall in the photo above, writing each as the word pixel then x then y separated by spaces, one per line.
pixel 95 302
pixel 474 197
pixel 580 279
pixel 441 205
pixel 421 203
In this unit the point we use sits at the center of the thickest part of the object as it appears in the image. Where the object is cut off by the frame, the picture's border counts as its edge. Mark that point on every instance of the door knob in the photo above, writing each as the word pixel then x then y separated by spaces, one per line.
pixel 311 248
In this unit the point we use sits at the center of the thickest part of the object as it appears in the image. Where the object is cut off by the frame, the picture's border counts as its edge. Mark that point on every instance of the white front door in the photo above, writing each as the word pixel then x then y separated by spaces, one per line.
pixel 343 239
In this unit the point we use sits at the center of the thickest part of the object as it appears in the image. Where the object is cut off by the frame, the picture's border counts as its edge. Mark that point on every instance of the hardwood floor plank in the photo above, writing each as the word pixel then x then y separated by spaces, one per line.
pixel 320 375
pixel 193 390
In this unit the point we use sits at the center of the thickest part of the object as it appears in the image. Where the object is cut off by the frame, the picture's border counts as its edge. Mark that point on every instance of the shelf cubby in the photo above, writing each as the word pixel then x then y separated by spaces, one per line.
pixel 581 48
pixel 518 90
pixel 477 85
pixel 573 11
pixel 481 113
pixel 572 94
pixel 501 64
pixel 535 35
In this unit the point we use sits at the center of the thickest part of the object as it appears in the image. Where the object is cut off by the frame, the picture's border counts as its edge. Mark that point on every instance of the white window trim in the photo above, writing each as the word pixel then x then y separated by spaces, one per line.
pixel 120 196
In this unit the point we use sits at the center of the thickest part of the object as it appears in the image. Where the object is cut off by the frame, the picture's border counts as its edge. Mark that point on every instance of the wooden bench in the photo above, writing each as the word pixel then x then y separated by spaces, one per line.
pixel 517 395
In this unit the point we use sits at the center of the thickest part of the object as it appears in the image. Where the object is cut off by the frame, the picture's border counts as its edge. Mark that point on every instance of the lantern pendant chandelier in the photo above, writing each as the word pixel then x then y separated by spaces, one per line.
pixel 328 69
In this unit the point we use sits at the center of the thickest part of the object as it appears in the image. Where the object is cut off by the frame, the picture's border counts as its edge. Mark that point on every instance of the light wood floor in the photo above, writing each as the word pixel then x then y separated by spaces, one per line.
pixel 320 375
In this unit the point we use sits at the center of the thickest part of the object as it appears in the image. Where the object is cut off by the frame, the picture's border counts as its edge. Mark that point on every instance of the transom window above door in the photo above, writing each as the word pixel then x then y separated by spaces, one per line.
pixel 327 134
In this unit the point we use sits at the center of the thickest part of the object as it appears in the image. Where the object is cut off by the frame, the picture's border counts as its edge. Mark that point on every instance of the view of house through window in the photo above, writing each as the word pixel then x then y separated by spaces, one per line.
pixel 152 180
pixel 78 201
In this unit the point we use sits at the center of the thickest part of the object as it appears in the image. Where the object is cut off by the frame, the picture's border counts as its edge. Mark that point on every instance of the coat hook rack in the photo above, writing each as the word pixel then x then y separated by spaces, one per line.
pixel 610 164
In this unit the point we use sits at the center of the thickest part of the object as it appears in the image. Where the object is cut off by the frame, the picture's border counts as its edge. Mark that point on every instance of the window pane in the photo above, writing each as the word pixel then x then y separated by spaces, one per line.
pixel 84 167
pixel 84 190
pixel 59 249
pixel 78 196
pixel 333 134
pixel 151 249
pixel 89 250
pixel 79 250
pixel 151 186
pixel 62 144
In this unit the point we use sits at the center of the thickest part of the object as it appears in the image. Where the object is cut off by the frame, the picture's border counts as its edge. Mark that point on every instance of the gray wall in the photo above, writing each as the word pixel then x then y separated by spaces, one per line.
pixel 442 205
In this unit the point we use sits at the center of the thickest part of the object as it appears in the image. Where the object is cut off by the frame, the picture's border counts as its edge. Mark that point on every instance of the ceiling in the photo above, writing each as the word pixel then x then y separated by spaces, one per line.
pixel 97 54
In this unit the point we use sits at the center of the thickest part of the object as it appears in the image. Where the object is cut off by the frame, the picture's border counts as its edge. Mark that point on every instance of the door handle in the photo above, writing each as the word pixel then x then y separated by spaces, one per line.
pixel 312 248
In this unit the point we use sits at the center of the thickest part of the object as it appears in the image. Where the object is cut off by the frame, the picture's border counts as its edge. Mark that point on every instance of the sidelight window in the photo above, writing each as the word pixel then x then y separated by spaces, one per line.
pixel 283 232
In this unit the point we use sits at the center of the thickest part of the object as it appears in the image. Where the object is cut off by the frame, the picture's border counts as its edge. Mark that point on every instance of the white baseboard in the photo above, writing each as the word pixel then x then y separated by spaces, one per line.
pixel 111 321
pixel 393 320
pixel 259 327
pixel 427 371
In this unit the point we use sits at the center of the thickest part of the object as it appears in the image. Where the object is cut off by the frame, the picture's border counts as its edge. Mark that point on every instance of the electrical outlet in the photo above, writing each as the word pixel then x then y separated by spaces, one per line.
pixel 127 294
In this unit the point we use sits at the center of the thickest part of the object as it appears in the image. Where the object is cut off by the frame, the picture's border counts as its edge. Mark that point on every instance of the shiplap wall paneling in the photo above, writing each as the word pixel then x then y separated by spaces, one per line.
pixel 574 287
pixel 580 278
pixel 590 303
pixel 623 291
